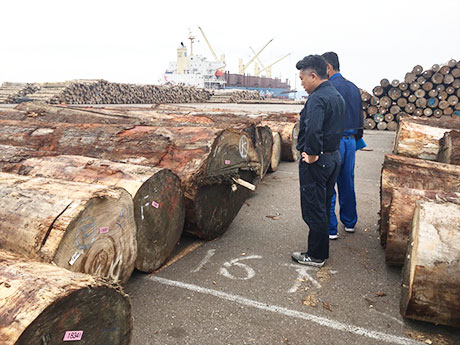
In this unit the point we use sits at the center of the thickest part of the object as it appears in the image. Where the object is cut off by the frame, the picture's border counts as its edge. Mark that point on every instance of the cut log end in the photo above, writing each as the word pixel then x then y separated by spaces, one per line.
pixel 159 212
pixel 45 304
pixel 96 241
pixel 276 152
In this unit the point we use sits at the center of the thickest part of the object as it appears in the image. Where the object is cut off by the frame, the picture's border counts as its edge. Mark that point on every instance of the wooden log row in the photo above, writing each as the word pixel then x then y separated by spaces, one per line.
pixel 430 289
pixel 405 172
pixel 78 226
pixel 104 92
pixel 449 148
pixel 207 160
pixel 284 123
pixel 45 304
pixel 159 209
pixel 419 137
pixel 431 93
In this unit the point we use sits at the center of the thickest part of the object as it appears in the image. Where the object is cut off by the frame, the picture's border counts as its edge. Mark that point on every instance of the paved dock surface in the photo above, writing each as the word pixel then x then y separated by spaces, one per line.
pixel 243 288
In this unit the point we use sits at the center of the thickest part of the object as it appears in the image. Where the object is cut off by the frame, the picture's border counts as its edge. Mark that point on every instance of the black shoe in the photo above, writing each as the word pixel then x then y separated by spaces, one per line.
pixel 304 259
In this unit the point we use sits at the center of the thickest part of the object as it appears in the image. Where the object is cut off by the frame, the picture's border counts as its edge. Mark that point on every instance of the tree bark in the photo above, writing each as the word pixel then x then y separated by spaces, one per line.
pixel 80 227
pixel 400 218
pixel 430 279
pixel 419 138
pixel 159 209
pixel 41 303
pixel 449 148
pixel 399 172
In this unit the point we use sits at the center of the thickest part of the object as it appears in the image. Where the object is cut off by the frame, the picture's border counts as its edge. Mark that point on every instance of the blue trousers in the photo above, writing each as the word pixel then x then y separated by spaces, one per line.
pixel 346 187
pixel 317 182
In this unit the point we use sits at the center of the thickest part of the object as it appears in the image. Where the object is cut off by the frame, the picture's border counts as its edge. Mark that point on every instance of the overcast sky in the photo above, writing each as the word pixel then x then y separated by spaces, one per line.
pixel 133 41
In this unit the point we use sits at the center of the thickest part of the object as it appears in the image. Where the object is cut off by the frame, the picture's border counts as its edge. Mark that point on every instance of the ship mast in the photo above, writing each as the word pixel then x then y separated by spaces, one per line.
pixel 191 38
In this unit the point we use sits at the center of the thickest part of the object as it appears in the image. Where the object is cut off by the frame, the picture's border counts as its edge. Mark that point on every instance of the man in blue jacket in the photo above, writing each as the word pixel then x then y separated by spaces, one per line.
pixel 320 131
pixel 353 133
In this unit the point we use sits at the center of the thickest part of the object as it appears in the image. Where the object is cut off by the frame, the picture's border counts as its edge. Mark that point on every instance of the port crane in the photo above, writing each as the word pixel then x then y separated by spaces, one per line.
pixel 268 69
pixel 242 67
pixel 222 57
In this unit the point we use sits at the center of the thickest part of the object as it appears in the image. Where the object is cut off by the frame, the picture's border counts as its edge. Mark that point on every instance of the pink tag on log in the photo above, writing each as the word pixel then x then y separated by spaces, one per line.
pixel 104 230
pixel 227 162
pixel 155 204
pixel 73 335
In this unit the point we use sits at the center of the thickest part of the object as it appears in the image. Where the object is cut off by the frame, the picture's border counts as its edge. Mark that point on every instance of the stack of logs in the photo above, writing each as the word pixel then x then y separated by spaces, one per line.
pixel 434 92
pixel 88 194
pixel 234 96
pixel 420 217
pixel 104 92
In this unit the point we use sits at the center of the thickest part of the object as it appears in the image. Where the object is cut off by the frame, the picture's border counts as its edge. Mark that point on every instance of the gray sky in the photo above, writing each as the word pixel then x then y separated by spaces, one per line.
pixel 133 41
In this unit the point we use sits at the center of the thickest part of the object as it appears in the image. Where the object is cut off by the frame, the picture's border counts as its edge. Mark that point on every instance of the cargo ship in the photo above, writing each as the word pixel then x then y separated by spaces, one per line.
pixel 197 70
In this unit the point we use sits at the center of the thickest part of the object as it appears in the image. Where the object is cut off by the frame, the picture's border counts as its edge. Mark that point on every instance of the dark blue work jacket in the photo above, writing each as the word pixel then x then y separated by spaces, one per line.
pixel 352 96
pixel 321 121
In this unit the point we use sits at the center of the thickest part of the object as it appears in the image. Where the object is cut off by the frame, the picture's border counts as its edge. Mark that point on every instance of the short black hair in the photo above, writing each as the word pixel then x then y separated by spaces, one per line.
pixel 333 59
pixel 316 63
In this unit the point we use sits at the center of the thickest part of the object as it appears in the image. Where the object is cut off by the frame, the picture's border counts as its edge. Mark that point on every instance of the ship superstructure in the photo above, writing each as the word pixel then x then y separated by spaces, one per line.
pixel 197 70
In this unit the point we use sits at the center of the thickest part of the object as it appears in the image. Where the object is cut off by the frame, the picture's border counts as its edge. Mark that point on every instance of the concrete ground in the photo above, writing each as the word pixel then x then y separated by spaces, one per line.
pixel 243 288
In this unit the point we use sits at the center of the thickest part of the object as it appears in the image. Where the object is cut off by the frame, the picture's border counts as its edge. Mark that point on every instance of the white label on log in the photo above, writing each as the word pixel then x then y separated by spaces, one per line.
pixel 75 256
pixel 227 161
pixel 155 204
pixel 244 146
pixel 73 335
pixel 104 230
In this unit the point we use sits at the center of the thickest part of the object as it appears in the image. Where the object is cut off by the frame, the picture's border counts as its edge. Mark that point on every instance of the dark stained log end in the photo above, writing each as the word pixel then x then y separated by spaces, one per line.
pixel 215 207
pixel 159 211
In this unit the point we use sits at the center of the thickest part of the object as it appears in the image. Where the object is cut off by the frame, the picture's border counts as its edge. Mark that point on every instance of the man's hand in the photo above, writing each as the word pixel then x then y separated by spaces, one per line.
pixel 309 158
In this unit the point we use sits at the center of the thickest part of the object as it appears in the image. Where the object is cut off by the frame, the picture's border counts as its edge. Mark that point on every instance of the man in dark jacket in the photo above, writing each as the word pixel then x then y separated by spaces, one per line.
pixel 353 132
pixel 320 131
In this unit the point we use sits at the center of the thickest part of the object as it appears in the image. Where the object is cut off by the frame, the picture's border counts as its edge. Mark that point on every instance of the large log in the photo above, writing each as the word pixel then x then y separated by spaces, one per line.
pixel 159 209
pixel 400 171
pixel 276 152
pixel 400 216
pixel 430 290
pixel 81 227
pixel 44 304
pixel 208 160
pixel 159 116
pixel 419 138
pixel 449 148
pixel 289 132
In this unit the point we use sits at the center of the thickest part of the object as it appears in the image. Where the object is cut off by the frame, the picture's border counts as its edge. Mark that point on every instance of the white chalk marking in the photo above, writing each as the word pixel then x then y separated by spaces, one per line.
pixel 206 259
pixel 388 316
pixel 322 321
pixel 236 262
pixel 302 275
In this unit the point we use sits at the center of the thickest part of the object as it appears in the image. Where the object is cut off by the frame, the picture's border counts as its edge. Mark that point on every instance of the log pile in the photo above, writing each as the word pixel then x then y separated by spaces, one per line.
pixel 78 226
pixel 102 92
pixel 431 93
pixel 12 92
pixel 419 217
pixel 233 96
pixel 158 212
pixel 45 304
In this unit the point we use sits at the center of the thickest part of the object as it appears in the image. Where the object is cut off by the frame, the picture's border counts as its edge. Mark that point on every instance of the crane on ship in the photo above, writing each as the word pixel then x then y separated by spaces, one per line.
pixel 242 67
pixel 268 69
pixel 222 57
